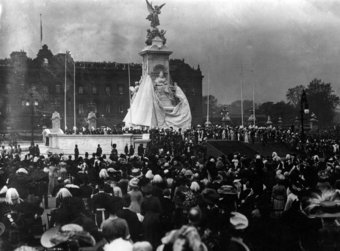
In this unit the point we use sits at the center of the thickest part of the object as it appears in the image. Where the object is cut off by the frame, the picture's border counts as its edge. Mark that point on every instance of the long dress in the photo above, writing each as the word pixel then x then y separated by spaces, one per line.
pixel 53 178
pixel 136 200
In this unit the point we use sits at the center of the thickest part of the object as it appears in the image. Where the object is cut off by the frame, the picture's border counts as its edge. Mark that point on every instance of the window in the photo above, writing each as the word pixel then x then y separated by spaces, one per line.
pixel 108 108
pixel 94 90
pixel 81 109
pixel 193 92
pixel 57 89
pixel 120 90
pixel 108 90
pixel 81 90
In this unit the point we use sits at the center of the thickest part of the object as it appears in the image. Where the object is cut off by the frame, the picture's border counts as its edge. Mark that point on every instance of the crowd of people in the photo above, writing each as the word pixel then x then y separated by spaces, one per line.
pixel 172 196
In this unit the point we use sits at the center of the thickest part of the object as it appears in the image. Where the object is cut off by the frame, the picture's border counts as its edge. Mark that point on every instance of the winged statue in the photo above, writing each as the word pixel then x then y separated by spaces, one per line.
pixel 154 11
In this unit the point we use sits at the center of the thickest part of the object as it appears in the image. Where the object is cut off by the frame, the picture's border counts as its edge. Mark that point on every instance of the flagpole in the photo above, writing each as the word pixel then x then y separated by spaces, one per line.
pixel 65 118
pixel 129 79
pixel 254 118
pixel 41 31
pixel 74 96
pixel 208 99
pixel 242 93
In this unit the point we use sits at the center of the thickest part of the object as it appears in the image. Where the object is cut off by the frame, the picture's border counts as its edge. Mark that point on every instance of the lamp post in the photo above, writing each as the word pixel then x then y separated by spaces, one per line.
pixel 304 109
pixel 32 103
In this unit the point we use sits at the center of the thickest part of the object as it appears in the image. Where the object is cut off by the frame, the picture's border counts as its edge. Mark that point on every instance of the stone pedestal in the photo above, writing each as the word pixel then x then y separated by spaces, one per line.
pixel 155 60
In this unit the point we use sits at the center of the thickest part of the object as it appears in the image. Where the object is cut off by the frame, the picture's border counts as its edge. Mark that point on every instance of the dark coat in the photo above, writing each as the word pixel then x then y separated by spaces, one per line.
pixel 135 226
pixel 100 200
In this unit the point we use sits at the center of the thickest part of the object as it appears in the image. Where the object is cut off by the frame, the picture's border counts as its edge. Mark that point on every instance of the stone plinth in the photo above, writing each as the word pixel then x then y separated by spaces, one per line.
pixel 156 58
pixel 88 143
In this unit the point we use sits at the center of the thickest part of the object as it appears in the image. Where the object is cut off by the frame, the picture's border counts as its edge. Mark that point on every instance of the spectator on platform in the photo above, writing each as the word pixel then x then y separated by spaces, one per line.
pixel 140 150
pixel 76 152
pixel 99 151
pixel 37 150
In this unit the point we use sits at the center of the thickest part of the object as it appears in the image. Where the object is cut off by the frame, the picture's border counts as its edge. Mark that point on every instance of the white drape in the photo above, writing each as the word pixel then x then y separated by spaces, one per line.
pixel 146 109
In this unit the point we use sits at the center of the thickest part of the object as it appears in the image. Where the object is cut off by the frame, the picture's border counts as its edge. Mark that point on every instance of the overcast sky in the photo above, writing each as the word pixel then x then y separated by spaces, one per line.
pixel 278 43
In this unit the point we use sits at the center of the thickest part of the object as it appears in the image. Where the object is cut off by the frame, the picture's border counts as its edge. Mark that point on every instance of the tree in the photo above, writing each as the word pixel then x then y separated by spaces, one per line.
pixel 214 106
pixel 294 95
pixel 280 109
pixel 235 107
pixel 322 101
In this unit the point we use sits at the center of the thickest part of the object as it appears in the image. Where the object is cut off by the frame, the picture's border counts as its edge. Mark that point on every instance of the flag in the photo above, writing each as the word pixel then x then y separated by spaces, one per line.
pixel 41 31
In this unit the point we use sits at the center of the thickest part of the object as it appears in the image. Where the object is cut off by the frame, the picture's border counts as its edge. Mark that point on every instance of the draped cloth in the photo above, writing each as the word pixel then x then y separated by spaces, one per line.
pixel 146 109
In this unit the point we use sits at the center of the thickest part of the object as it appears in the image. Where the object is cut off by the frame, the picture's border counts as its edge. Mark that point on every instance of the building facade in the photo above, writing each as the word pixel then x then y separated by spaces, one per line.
pixel 35 88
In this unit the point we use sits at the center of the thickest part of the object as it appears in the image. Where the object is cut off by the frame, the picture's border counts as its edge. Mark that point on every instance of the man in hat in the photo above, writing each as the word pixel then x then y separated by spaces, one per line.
pixel 99 151
pixel 114 153
pixel 76 152
pixel 140 150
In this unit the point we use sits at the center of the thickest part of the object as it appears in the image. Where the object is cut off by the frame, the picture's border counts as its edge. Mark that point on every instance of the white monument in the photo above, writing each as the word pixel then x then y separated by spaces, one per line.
pixel 92 120
pixel 158 102
pixel 56 123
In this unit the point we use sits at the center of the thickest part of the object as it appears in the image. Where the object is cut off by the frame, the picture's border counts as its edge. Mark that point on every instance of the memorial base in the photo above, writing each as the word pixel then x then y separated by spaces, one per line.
pixel 88 143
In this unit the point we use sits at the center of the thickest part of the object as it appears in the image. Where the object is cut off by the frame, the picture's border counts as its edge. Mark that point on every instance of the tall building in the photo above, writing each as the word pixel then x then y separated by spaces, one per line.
pixel 102 87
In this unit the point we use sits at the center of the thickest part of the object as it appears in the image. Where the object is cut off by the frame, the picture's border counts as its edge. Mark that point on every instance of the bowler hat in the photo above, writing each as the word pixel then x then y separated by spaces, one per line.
pixel 227 190
pixel 209 195
pixel 136 173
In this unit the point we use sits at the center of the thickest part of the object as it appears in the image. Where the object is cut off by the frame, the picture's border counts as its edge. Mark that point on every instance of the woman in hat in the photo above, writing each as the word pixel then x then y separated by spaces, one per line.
pixel 279 196
pixel 151 210
pixel 135 195
pixel 186 238
pixel 19 217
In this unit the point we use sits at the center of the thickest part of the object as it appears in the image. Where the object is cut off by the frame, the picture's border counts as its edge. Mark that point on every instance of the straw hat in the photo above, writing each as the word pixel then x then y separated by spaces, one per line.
pixel 59 235
pixel 134 182
pixel 238 221
pixel 136 173
pixel 22 170
pixel 227 190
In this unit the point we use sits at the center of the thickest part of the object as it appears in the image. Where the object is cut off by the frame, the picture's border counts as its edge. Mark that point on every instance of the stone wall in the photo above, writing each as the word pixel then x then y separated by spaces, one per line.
pixel 88 143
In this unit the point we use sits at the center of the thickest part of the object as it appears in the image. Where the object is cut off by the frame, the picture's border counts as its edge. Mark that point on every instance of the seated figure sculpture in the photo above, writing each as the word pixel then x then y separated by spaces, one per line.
pixel 164 91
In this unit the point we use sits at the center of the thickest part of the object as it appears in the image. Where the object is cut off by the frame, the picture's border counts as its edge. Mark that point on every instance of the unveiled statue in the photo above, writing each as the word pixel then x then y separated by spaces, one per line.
pixel 92 120
pixel 164 91
pixel 153 13
pixel 55 121
pixel 157 102
pixel 153 18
